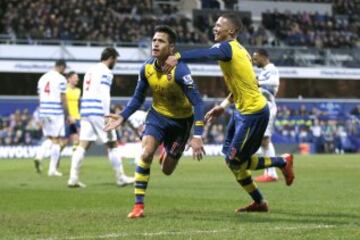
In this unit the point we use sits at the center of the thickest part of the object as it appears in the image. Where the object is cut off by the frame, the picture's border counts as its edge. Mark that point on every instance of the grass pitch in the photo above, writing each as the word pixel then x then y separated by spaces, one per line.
pixel 197 202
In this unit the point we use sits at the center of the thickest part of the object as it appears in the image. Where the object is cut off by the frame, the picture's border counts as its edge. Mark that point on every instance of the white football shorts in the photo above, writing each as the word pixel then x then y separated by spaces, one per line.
pixel 270 126
pixel 53 126
pixel 92 129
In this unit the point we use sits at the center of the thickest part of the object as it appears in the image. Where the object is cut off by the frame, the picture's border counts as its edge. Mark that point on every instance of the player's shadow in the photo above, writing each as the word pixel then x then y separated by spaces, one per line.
pixel 335 217
pixel 111 184
pixel 274 216
pixel 104 184
pixel 301 218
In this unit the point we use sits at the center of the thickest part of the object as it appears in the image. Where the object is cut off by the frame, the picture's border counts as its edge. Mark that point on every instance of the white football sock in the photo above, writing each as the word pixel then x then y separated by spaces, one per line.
pixel 54 157
pixel 270 152
pixel 116 162
pixel 76 162
pixel 260 151
pixel 45 145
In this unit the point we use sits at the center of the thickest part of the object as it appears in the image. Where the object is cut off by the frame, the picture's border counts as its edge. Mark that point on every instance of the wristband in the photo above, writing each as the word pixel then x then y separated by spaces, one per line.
pixel 197 136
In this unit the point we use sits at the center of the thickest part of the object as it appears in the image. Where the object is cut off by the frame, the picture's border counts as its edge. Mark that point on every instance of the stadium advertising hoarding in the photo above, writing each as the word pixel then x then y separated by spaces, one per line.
pixel 132 68
pixel 128 150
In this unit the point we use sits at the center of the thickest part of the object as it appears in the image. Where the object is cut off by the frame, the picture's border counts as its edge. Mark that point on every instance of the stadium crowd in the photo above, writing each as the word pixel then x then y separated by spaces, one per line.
pixel 325 131
pixel 20 128
pixel 110 21
pixel 95 20
pixel 314 29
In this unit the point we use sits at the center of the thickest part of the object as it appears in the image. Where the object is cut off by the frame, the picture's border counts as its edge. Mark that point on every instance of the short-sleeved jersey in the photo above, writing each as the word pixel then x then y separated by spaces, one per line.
pixel 50 87
pixel 168 97
pixel 269 79
pixel 73 98
pixel 96 91
pixel 240 78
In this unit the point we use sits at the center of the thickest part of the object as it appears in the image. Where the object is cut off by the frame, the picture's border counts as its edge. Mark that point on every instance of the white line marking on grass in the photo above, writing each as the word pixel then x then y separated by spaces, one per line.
pixel 171 233
pixel 310 227
pixel 149 234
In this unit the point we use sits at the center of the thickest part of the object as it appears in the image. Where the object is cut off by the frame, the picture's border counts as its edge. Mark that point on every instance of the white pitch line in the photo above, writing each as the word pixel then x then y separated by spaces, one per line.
pixel 169 233
pixel 311 227
pixel 165 233
pixel 149 234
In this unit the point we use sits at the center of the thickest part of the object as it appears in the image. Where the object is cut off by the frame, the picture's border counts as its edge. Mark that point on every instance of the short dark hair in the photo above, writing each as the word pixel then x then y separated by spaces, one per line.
pixel 262 52
pixel 109 52
pixel 235 20
pixel 172 36
pixel 69 74
pixel 60 63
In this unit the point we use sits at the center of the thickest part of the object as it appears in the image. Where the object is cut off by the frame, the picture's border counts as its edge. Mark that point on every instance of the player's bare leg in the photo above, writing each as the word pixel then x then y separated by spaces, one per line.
pixel 76 162
pixel 168 164
pixel 74 140
pixel 142 175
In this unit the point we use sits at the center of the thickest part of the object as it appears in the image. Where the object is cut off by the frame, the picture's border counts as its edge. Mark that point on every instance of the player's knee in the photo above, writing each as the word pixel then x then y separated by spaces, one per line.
pixel 169 164
pixel 265 142
pixel 231 158
pixel 147 156
pixel 167 171
pixel 84 144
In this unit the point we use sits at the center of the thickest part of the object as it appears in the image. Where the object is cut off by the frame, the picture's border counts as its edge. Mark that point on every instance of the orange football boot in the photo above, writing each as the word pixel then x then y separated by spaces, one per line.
pixel 254 207
pixel 137 211
pixel 288 170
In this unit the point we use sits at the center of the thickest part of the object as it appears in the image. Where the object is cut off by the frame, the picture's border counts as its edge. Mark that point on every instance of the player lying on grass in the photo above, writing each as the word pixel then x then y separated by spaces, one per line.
pixel 249 120
pixel 170 118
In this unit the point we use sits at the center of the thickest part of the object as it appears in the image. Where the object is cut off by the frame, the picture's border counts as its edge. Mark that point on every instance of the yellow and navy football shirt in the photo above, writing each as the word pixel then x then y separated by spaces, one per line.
pixel 235 63
pixel 73 98
pixel 174 94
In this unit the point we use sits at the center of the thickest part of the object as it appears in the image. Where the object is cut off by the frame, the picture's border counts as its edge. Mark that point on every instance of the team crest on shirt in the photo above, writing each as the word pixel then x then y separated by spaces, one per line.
pixel 188 80
pixel 216 45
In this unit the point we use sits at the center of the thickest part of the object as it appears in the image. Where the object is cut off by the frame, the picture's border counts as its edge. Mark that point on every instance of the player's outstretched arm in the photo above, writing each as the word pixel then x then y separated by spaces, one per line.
pixel 113 121
pixel 138 97
pixel 184 79
pixel 219 51
pixel 217 111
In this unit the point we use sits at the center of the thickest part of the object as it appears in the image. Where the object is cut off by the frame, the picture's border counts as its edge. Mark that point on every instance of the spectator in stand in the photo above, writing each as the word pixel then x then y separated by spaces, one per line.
pixel 356 111
pixel 318 140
